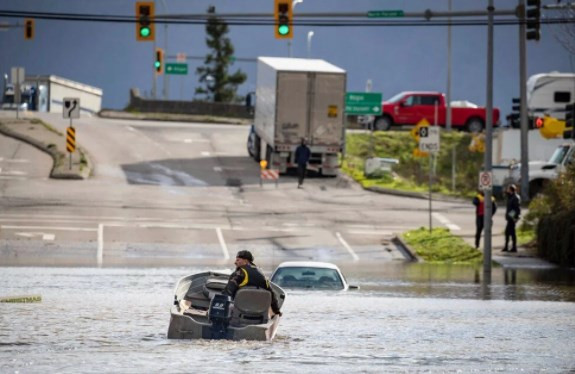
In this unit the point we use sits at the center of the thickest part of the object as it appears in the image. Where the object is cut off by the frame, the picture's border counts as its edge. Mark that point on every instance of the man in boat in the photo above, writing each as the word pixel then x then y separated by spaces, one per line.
pixel 248 274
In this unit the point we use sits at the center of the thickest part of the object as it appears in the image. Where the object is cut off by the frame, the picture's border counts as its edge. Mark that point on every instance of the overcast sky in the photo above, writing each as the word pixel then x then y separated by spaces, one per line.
pixel 107 55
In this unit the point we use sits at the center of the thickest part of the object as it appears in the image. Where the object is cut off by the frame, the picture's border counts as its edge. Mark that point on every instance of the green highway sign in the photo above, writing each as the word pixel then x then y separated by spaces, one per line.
pixel 385 13
pixel 177 68
pixel 363 103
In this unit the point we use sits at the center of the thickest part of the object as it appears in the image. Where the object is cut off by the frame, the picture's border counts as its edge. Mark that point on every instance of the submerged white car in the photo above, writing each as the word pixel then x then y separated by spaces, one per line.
pixel 310 275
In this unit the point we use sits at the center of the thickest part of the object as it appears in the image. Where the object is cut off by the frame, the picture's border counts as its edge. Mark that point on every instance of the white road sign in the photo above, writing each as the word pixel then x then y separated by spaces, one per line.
pixel 429 139
pixel 485 180
pixel 71 107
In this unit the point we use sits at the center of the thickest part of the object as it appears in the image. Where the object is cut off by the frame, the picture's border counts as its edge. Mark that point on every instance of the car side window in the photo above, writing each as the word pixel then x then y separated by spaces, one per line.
pixel 409 101
pixel 429 100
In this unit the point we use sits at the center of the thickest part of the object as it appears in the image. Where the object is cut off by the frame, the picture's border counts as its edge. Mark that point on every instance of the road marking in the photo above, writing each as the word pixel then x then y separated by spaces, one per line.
pixel 441 218
pixel 131 128
pixel 349 249
pixel 13 173
pixel 9 227
pixel 206 154
pixel 223 244
pixel 217 169
pixel 100 253
pixel 44 235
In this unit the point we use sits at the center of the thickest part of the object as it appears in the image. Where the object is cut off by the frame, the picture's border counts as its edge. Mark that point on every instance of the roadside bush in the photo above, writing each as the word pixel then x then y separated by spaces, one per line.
pixel 555 219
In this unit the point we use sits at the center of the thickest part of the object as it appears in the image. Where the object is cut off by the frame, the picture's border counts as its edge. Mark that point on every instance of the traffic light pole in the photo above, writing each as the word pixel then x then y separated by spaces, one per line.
pixel 523 104
pixel 487 217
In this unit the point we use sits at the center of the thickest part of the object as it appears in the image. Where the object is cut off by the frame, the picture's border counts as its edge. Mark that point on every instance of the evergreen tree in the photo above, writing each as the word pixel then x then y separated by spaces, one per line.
pixel 222 86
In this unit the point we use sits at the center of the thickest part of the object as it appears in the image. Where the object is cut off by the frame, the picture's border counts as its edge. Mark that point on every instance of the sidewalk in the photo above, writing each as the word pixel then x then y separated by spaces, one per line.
pixel 50 141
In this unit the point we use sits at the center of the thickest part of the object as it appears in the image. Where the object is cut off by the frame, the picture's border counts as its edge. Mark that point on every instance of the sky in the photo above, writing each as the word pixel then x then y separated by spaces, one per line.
pixel 395 59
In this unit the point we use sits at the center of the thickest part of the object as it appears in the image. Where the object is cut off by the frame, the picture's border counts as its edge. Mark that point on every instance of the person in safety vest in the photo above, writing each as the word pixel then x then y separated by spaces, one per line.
pixel 248 274
pixel 479 203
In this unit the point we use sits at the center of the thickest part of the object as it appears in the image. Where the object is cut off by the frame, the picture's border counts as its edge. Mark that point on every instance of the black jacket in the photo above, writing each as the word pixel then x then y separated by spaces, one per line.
pixel 302 155
pixel 250 275
pixel 513 210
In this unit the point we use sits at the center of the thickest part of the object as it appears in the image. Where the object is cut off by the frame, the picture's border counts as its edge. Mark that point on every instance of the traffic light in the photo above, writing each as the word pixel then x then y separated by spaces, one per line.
pixel 159 61
pixel 283 18
pixel 29 29
pixel 533 19
pixel 514 117
pixel 145 31
pixel 569 121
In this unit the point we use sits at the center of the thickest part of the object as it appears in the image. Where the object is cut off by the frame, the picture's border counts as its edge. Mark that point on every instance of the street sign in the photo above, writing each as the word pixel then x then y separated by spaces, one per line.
pixel 485 180
pixel 385 13
pixel 181 57
pixel 415 131
pixel 71 108
pixel 363 103
pixel 177 68
pixel 429 139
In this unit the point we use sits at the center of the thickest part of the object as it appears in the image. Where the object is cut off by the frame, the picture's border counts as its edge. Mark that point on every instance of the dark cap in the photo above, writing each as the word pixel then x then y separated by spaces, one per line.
pixel 246 255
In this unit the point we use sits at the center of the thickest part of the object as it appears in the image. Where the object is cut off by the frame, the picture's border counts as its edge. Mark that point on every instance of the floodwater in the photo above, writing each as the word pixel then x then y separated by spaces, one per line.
pixel 405 318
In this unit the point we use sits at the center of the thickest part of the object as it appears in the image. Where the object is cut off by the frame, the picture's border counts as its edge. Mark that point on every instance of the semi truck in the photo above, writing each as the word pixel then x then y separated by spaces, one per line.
pixel 408 108
pixel 298 99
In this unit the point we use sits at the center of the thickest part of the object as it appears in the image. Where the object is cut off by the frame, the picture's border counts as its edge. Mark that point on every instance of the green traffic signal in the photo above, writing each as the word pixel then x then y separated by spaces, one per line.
pixel 144 32
pixel 283 29
pixel 157 64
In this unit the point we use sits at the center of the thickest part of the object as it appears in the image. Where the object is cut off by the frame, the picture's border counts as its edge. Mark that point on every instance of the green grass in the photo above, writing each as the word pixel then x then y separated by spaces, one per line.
pixel 525 235
pixel 440 246
pixel 412 173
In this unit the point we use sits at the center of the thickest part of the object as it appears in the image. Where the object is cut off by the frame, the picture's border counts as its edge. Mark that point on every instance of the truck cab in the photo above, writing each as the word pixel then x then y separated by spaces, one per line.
pixel 541 172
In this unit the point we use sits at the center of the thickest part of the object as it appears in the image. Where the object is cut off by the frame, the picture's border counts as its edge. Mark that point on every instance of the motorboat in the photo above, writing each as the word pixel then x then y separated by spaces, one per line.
pixel 201 311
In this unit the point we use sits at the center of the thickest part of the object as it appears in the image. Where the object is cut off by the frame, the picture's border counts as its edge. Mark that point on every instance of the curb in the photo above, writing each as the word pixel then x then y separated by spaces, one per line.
pixel 120 115
pixel 405 249
pixel 58 171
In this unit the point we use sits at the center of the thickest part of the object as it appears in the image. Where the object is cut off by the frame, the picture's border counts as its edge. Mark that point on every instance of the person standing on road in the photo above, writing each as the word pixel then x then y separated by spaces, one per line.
pixel 302 155
pixel 479 202
pixel 248 274
pixel 512 214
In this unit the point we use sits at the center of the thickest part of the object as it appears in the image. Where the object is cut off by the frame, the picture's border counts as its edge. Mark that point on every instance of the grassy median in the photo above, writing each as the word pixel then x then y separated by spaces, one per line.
pixel 441 246
pixel 412 172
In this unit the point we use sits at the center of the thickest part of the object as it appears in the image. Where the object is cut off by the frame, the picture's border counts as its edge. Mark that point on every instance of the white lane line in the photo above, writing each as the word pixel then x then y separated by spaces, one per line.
pixel 205 154
pixel 441 218
pixel 9 227
pixel 223 244
pixel 13 172
pixel 44 235
pixel 100 253
pixel 217 169
pixel 349 249
pixel 188 141
pixel 131 128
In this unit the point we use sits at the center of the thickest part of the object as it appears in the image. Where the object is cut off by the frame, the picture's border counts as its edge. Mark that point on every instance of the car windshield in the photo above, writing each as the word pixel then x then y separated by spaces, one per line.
pixel 395 98
pixel 308 277
pixel 559 155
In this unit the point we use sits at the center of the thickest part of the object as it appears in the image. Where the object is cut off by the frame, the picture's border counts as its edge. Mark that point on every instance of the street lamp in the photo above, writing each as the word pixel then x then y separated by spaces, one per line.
pixel 293 4
pixel 309 36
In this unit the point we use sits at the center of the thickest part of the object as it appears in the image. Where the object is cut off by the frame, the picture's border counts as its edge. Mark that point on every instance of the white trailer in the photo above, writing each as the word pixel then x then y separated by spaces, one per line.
pixel 549 93
pixel 295 99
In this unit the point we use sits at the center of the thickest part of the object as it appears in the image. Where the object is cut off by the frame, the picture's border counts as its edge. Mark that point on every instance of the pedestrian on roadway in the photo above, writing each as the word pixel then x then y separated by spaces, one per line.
pixel 512 214
pixel 302 155
pixel 479 203
pixel 248 274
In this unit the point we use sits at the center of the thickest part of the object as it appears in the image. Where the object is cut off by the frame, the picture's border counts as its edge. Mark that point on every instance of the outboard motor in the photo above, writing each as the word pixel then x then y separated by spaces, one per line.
pixel 219 314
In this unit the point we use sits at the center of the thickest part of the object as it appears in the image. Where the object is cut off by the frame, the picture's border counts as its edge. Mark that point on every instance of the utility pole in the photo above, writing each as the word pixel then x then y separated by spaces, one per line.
pixel 523 103
pixel 488 146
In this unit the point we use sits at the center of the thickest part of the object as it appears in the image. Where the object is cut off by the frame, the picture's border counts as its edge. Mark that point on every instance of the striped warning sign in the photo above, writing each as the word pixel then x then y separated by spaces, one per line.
pixel 71 139
pixel 270 174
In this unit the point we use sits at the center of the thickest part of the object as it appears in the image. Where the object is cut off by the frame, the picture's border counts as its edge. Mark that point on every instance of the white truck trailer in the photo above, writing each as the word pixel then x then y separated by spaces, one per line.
pixel 295 99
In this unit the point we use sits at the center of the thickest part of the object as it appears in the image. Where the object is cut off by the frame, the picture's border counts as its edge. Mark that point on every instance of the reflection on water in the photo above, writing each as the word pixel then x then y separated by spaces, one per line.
pixel 404 318
pixel 458 281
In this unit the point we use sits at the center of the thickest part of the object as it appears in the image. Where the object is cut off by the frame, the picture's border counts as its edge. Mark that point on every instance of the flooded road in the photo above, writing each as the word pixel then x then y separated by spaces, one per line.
pixel 405 318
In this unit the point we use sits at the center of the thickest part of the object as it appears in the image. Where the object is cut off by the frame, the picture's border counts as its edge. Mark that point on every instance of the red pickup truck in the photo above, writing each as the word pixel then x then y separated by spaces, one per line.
pixel 408 108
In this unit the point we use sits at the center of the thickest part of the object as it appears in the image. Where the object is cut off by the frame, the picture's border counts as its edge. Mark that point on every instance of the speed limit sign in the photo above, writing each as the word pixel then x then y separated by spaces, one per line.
pixel 485 180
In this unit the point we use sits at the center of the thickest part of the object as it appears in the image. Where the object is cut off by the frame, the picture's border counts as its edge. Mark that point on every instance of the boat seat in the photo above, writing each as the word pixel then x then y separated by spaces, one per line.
pixel 214 286
pixel 251 306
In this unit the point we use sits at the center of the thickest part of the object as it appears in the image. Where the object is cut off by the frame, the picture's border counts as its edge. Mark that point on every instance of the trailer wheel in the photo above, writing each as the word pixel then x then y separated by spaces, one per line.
pixel 474 125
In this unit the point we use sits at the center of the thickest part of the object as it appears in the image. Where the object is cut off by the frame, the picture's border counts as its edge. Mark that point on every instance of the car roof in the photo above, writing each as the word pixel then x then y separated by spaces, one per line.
pixel 309 264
